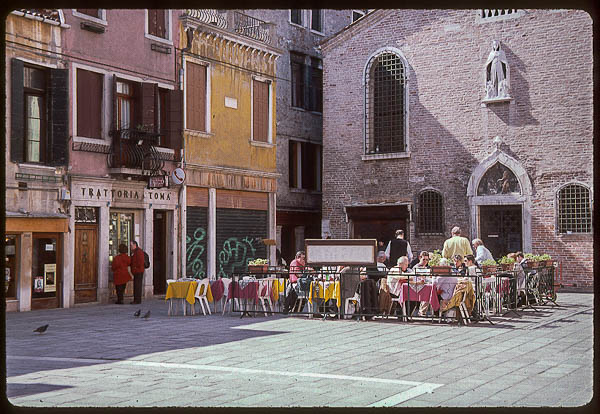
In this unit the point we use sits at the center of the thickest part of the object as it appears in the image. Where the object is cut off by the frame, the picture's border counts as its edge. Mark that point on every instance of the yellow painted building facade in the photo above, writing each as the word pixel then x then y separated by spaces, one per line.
pixel 228 77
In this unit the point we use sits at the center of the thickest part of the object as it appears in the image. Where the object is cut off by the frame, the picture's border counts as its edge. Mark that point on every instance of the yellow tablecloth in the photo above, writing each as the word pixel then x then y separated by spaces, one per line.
pixel 182 290
pixel 331 291
pixel 209 295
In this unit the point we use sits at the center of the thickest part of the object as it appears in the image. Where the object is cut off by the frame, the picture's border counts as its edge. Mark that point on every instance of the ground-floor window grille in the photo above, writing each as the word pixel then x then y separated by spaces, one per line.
pixel 430 216
pixel 385 104
pixel 574 209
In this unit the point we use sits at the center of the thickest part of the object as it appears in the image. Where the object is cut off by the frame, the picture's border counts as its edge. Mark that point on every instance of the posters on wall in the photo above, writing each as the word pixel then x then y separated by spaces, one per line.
pixel 50 277
pixel 38 284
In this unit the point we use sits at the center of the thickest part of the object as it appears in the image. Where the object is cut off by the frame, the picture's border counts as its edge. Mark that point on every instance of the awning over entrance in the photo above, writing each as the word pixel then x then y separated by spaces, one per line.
pixel 36 222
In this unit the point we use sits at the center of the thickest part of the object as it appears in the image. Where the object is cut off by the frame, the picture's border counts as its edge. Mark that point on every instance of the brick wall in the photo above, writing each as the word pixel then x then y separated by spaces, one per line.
pixel 547 128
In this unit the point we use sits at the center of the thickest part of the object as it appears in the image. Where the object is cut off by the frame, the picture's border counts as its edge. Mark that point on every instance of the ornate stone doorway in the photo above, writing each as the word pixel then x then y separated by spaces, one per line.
pixel 499 194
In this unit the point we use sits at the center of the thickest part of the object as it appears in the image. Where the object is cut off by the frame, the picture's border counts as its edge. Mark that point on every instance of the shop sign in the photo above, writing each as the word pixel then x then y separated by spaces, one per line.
pixel 136 195
pixel 158 181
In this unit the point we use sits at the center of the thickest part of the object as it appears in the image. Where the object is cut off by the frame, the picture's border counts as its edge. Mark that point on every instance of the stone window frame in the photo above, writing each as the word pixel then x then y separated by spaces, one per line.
pixel 100 20
pixel 168 40
pixel 269 143
pixel 366 69
pixel 419 230
pixel 558 212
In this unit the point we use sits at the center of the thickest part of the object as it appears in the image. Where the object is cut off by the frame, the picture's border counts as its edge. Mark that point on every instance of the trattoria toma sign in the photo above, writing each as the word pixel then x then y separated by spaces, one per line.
pixel 118 194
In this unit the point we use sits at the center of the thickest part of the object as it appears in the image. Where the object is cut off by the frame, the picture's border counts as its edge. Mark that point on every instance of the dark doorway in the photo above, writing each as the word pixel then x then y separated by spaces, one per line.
pixel 501 229
pixel 379 222
pixel 159 255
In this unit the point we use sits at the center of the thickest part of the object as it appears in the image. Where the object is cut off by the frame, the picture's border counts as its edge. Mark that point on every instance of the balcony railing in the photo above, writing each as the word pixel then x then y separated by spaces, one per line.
pixel 135 149
pixel 234 21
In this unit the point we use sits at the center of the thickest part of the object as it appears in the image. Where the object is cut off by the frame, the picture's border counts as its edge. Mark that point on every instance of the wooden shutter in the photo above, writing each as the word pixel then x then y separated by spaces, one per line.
pixel 175 120
pixel 59 116
pixel 293 162
pixel 89 104
pixel 196 97
pixel 90 12
pixel 17 108
pixel 308 166
pixel 146 103
pixel 115 114
pixel 260 114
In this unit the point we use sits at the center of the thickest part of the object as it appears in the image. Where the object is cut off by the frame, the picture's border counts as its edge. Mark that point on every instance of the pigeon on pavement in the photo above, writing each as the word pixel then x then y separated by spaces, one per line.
pixel 146 315
pixel 41 329
pixel 137 313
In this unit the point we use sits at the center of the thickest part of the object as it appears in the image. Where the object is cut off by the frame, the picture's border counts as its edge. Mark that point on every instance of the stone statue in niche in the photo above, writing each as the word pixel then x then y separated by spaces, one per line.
pixel 497 74
pixel 499 179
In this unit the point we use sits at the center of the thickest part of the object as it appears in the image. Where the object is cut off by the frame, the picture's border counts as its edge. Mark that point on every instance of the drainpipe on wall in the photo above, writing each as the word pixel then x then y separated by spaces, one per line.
pixel 182 190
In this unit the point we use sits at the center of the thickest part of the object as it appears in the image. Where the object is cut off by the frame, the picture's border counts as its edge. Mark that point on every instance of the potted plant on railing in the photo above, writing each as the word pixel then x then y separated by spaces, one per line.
pixel 506 263
pixel 532 260
pixel 546 259
pixel 258 266
pixel 489 266
pixel 435 259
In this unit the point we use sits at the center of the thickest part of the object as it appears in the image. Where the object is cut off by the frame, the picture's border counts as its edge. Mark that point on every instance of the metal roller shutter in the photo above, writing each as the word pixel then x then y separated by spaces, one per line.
pixel 196 241
pixel 239 239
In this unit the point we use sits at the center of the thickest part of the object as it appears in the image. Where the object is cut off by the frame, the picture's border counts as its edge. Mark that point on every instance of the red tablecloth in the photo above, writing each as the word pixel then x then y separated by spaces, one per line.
pixel 217 288
pixel 428 293
pixel 249 290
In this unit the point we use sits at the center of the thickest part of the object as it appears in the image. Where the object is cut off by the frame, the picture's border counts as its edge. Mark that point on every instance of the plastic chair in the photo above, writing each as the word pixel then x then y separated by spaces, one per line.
pixel 226 287
pixel 200 295
pixel 264 294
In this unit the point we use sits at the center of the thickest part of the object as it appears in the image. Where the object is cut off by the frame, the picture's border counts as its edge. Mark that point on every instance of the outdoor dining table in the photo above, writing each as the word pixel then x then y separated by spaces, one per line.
pixel 183 291
pixel 408 290
pixel 246 289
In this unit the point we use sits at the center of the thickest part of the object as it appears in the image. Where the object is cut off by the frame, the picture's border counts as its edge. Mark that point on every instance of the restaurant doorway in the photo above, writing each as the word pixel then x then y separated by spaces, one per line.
pixel 501 228
pixel 159 253
pixel 379 222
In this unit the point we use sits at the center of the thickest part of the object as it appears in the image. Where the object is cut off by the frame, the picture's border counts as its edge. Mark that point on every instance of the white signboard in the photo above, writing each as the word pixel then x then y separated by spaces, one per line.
pixel 360 252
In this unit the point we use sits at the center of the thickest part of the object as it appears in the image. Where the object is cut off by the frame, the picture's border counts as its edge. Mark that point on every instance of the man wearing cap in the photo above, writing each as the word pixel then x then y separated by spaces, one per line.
pixel 456 245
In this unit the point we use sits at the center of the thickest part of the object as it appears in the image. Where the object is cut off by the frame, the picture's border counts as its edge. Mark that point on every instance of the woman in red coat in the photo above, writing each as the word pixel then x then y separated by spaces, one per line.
pixel 120 267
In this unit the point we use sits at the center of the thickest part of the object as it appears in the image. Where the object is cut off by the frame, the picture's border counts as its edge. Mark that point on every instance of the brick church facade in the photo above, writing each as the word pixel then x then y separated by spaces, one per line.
pixel 481 119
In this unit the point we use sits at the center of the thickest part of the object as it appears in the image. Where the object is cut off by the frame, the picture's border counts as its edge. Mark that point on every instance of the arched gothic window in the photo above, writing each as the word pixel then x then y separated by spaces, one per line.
pixel 430 214
pixel 385 104
pixel 574 209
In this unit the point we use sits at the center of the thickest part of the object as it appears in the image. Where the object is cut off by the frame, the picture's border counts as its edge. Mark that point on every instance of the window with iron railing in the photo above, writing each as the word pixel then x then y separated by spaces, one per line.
pixel 430 213
pixel 574 210
pixel 385 104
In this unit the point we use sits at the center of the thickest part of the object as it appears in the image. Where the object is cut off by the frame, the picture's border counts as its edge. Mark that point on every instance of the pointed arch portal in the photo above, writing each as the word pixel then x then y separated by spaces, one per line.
pixel 499 195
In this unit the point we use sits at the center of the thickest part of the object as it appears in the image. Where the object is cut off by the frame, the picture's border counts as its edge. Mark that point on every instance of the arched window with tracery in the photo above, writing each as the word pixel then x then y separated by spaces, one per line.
pixel 430 218
pixel 574 209
pixel 385 104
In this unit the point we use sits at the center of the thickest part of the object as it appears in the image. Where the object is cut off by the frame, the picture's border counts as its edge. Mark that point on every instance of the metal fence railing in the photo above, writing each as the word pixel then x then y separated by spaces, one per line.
pixel 371 294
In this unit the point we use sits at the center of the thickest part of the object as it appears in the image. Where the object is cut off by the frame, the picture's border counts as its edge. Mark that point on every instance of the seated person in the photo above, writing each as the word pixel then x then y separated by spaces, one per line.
pixel 459 266
pixel 445 289
pixel 423 264
pixel 376 272
pixel 401 268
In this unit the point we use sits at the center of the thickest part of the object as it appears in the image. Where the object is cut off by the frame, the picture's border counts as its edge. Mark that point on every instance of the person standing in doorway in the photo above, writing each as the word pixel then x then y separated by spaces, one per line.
pixel 137 268
pixel 120 267
pixel 456 245
pixel 397 248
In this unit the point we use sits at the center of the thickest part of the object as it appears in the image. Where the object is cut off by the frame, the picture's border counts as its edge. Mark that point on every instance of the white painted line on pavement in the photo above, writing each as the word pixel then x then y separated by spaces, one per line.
pixel 418 387
pixel 406 395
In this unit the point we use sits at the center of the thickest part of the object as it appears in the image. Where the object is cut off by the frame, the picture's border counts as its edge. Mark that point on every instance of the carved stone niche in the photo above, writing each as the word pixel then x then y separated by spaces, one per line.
pixel 499 180
pixel 497 76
